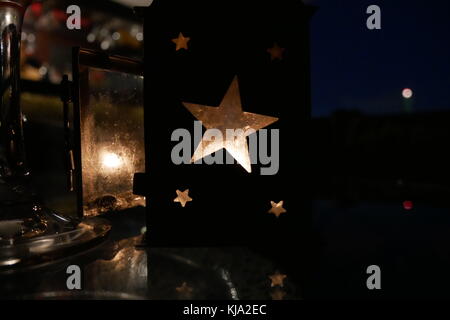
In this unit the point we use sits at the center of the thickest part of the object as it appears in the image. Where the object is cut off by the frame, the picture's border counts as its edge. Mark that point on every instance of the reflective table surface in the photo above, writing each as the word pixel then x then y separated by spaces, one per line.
pixel 120 268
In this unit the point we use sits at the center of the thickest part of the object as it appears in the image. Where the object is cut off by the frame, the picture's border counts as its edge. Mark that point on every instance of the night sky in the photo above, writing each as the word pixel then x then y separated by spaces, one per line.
pixel 357 68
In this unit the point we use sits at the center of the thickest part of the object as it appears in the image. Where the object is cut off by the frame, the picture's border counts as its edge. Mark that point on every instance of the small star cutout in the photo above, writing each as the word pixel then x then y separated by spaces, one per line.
pixel 183 197
pixel 184 290
pixel 278 294
pixel 276 52
pixel 277 208
pixel 277 279
pixel 181 42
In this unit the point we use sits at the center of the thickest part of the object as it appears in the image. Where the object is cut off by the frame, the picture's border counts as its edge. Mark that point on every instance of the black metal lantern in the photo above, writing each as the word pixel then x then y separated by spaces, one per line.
pixel 232 65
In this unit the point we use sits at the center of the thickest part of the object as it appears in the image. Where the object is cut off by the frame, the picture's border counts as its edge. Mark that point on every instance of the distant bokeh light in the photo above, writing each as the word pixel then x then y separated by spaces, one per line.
pixel 407 93
pixel 407 205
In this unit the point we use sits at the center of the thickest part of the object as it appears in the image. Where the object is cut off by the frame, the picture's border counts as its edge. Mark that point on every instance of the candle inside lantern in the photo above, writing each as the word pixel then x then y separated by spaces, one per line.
pixel 111 160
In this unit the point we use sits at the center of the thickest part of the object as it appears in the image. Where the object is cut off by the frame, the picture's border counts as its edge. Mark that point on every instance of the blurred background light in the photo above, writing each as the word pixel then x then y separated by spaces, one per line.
pixel 407 93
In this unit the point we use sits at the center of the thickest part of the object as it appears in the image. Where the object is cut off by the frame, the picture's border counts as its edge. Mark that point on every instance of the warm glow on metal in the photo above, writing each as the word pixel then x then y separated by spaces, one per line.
pixel 9 262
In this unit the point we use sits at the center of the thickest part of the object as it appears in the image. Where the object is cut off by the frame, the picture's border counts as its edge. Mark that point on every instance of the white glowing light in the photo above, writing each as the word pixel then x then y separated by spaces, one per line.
pixel 407 93
pixel 9 262
pixel 104 32
pixel 43 71
pixel 111 160
pixel 31 37
pixel 91 37
pixel 8 18
pixel 134 30
pixel 105 45
pixel 116 36
pixel 139 36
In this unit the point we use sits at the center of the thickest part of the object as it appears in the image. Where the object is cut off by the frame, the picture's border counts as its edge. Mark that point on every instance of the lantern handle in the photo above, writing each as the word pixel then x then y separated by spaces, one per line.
pixel 66 98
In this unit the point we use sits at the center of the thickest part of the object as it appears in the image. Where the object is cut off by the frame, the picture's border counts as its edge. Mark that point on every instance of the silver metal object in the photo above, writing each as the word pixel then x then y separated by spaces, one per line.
pixel 27 254
pixel 12 150
pixel 28 230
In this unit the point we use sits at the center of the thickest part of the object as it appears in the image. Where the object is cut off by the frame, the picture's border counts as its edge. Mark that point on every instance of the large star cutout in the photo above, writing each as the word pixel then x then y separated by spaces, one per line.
pixel 228 115
pixel 182 197
pixel 276 52
pixel 277 208
pixel 181 42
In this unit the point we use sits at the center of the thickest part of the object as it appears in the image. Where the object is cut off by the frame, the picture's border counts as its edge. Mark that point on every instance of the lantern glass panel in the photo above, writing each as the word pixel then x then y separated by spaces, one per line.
pixel 111 138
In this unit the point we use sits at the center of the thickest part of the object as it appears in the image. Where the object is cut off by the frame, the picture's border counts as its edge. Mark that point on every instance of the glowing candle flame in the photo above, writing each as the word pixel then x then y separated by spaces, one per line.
pixel 111 160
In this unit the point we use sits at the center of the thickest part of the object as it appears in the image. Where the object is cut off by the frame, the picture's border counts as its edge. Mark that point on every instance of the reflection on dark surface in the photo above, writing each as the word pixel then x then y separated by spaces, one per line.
pixel 127 269
pixel 29 253
pixel 410 246
pixel 121 269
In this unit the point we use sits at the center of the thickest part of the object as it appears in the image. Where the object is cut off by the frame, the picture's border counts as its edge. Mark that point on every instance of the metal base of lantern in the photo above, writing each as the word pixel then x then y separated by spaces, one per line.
pixel 20 254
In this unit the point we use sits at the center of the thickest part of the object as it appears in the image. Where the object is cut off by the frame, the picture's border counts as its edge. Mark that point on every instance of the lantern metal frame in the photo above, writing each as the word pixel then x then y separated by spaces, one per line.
pixel 82 57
